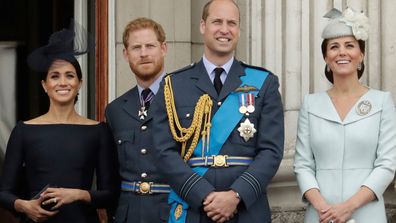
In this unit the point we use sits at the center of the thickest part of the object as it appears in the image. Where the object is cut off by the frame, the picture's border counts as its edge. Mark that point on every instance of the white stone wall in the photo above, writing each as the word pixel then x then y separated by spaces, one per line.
pixel 8 56
pixel 284 37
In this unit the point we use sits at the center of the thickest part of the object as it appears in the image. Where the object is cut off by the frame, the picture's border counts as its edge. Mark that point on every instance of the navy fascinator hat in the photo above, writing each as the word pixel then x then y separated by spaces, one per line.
pixel 65 44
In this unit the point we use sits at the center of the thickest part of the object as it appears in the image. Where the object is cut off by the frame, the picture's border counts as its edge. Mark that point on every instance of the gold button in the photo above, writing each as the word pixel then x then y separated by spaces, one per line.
pixel 219 103
pixel 143 175
pixel 143 128
pixel 143 151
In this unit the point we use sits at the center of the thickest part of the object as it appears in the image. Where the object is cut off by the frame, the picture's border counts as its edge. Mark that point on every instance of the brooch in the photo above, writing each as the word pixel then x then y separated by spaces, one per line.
pixel 363 108
pixel 246 130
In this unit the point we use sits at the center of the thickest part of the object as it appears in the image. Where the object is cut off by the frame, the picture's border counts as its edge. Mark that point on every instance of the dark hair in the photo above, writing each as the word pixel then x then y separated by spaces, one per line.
pixel 77 66
pixel 329 74
pixel 205 11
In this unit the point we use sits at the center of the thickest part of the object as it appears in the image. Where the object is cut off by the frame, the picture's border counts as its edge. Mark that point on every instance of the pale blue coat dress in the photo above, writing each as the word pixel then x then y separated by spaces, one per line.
pixel 338 157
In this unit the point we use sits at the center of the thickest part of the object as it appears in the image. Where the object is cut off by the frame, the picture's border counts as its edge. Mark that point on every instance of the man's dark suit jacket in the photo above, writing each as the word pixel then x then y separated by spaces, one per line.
pixel 133 137
pixel 266 146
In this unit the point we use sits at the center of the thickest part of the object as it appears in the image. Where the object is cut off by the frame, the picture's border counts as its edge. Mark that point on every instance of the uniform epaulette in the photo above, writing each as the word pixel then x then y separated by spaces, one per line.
pixel 255 67
pixel 181 69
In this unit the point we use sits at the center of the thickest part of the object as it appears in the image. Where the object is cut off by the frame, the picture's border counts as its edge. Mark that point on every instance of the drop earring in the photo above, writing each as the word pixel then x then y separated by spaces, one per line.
pixel 359 67
pixel 327 68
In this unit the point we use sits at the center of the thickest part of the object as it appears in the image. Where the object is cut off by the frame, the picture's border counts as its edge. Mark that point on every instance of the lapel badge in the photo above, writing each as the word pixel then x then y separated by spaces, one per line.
pixel 246 130
pixel 178 211
pixel 142 113
pixel 363 108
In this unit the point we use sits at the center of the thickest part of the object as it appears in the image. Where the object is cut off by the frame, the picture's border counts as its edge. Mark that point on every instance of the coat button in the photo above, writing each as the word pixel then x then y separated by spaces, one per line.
pixel 143 151
pixel 219 103
pixel 143 175
pixel 143 128
pixel 119 141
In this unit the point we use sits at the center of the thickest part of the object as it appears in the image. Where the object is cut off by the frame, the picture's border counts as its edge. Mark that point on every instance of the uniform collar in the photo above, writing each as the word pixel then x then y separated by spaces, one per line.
pixel 209 66
pixel 322 106
pixel 154 86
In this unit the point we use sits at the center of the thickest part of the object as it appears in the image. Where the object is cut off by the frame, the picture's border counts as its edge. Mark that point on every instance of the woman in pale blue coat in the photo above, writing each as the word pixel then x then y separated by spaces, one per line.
pixel 346 145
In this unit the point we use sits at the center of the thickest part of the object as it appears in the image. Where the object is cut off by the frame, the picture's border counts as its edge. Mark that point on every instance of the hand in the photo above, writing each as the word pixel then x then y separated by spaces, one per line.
pixel 33 210
pixel 339 213
pixel 62 196
pixel 322 209
pixel 221 206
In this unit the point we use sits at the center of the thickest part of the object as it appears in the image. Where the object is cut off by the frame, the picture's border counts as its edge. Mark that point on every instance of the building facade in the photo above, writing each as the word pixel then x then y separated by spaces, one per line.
pixel 282 36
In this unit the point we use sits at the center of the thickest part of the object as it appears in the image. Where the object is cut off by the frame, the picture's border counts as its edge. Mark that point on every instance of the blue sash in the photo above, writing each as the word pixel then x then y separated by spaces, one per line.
pixel 223 122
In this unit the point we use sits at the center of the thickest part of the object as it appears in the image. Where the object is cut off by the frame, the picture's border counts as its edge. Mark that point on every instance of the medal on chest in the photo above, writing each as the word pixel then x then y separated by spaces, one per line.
pixel 246 99
pixel 246 130
pixel 246 107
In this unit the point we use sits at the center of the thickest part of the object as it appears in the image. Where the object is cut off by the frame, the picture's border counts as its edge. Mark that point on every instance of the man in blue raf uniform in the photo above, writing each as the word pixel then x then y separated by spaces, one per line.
pixel 219 129
pixel 144 194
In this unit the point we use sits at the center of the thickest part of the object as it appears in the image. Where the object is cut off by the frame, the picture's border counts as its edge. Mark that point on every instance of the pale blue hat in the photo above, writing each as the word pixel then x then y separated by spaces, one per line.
pixel 347 23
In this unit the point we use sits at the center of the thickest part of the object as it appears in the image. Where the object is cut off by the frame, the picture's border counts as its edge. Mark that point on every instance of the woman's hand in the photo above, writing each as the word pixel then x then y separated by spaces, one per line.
pixel 62 196
pixel 317 201
pixel 339 213
pixel 32 209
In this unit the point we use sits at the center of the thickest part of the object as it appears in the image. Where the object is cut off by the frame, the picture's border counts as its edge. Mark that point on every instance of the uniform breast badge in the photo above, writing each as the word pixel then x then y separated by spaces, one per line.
pixel 178 211
pixel 246 130
pixel 242 103
pixel 142 113
pixel 250 102
pixel 363 108
pixel 246 99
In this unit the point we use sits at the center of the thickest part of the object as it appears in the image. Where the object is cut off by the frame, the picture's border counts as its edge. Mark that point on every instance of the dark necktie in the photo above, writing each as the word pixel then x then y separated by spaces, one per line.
pixel 217 81
pixel 147 96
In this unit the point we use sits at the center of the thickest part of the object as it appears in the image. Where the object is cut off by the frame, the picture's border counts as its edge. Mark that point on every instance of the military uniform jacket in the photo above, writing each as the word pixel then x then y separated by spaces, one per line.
pixel 266 146
pixel 133 137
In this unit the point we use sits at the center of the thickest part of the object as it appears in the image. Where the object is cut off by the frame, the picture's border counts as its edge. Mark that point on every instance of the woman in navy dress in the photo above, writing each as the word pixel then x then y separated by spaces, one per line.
pixel 57 155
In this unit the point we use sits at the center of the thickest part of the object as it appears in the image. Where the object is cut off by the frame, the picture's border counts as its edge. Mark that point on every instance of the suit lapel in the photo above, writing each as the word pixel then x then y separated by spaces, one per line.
pixel 132 103
pixel 322 106
pixel 203 81
pixel 354 115
pixel 233 80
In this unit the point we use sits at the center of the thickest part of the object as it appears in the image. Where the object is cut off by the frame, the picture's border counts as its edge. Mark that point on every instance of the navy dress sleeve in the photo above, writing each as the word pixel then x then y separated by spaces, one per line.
pixel 13 170
pixel 107 180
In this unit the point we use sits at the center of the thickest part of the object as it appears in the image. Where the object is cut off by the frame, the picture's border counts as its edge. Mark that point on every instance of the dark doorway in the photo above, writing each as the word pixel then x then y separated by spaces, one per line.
pixel 30 23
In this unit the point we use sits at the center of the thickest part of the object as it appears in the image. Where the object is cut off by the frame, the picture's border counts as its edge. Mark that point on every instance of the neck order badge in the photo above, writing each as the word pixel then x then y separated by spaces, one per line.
pixel 147 96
